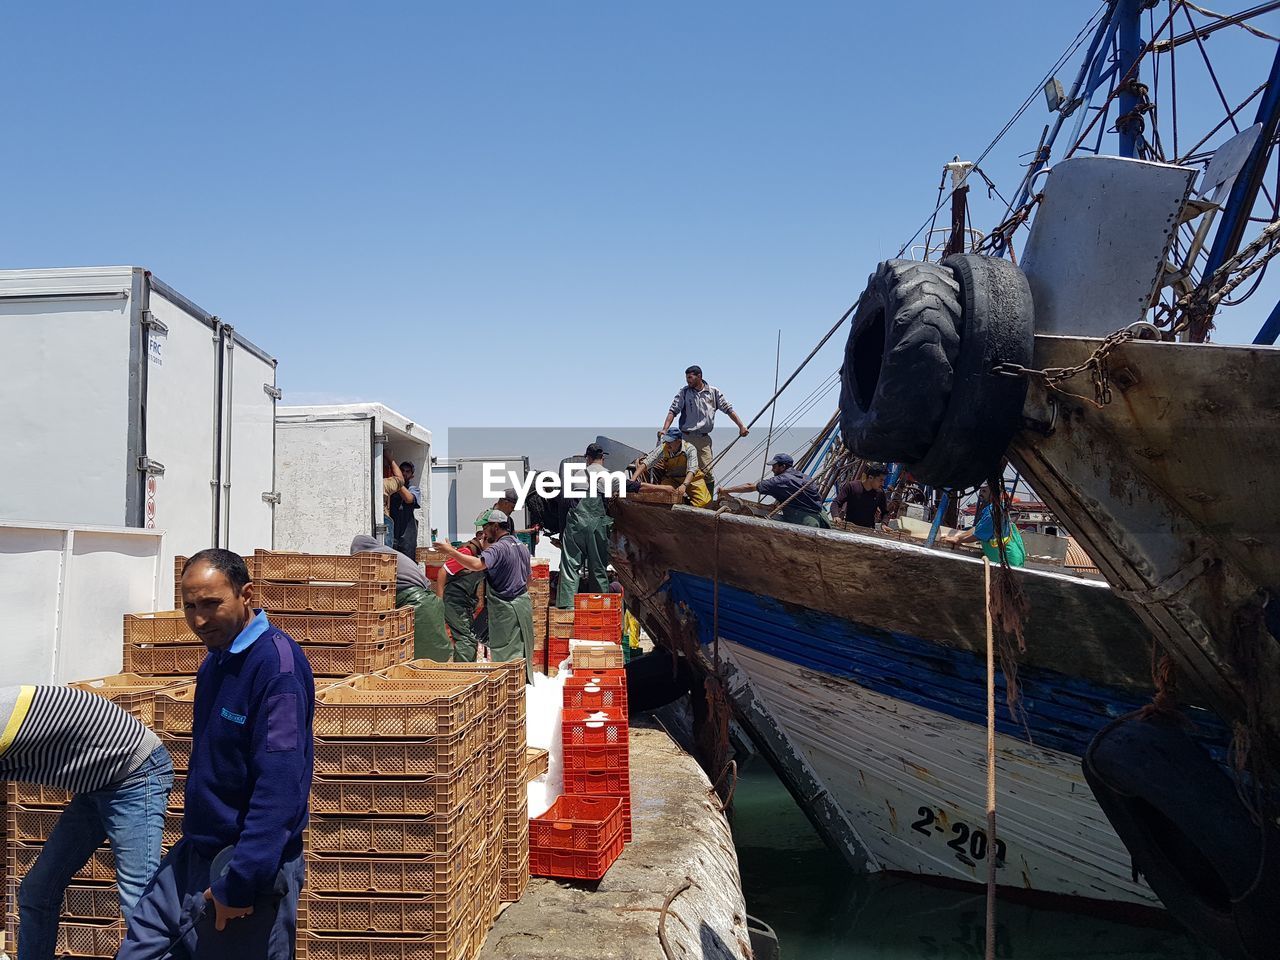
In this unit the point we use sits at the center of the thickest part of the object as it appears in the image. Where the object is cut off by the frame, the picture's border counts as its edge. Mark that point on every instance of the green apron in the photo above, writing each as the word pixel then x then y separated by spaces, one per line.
pixel 430 642
pixel 1014 549
pixel 584 543
pixel 461 592
pixel 511 629
pixel 805 518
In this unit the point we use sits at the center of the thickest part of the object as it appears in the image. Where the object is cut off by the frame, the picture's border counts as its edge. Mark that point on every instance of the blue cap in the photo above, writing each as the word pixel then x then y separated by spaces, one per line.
pixel 672 434
pixel 782 458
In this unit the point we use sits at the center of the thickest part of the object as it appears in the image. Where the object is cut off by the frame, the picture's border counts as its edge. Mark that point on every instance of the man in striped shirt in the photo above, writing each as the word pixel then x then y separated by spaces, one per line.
pixel 119 776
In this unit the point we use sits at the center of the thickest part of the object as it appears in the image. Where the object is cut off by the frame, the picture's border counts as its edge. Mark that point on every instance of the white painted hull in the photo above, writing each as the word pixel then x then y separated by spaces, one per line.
pixel 912 782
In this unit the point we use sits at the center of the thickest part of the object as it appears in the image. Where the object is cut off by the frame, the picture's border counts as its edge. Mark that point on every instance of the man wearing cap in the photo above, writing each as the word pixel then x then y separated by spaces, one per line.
pixel 696 404
pixel 675 463
pixel 791 487
pixel 505 562
pixel 462 592
pixel 506 505
pixel 584 545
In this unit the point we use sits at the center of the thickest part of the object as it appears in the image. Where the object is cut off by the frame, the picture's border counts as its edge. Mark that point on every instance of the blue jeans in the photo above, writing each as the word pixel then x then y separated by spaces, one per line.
pixel 389 538
pixel 131 815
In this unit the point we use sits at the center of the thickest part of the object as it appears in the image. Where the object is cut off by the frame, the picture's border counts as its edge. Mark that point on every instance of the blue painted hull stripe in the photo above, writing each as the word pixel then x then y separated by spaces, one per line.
pixel 1062 712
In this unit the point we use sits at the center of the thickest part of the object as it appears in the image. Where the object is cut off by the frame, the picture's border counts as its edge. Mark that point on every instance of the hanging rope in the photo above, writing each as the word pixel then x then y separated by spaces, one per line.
pixel 991 768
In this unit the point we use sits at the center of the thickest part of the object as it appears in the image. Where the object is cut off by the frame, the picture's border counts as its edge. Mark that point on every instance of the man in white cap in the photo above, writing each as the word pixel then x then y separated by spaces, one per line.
pixel 791 487
pixel 505 562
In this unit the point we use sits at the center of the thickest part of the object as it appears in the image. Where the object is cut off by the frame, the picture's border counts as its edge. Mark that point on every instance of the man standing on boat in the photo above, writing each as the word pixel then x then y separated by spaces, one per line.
pixel 862 502
pixel 505 562
pixel 791 487
pixel 676 463
pixel 696 403
pixel 584 545
pixel 984 531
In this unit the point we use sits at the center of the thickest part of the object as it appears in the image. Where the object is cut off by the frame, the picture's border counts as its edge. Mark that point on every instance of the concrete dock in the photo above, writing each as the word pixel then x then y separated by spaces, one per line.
pixel 680 836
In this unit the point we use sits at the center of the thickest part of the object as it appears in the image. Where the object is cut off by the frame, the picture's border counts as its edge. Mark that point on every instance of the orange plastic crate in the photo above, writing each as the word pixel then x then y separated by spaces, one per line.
pixel 325 597
pixel 420 757
pixel 602 656
pixel 437 796
pixel 539 569
pixel 557 651
pixel 359 658
pixel 598 783
pixel 332 568
pixel 598 601
pixel 174 661
pixel 390 836
pixel 100 868
pixel 161 627
pixel 577 823
pixel 179 750
pixel 175 710
pixel 130 692
pixel 604 757
pixel 419 916
pixel 596 692
pixel 92 938
pixel 378 876
pixel 91 903
pixel 576 864
pixel 344 629
pixel 597 625
pixel 373 707
pixel 594 728
pixel 33 826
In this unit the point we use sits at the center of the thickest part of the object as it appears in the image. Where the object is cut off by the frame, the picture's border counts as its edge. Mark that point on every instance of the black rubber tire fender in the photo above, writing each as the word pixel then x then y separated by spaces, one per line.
pixel 896 380
pixel 984 409
pixel 1182 821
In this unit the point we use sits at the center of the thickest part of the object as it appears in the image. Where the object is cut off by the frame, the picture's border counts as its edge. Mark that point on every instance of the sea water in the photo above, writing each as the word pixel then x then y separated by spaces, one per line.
pixel 822 911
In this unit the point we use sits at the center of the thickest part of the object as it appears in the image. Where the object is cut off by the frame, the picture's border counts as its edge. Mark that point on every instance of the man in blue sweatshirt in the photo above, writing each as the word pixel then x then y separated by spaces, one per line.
pixel 247 787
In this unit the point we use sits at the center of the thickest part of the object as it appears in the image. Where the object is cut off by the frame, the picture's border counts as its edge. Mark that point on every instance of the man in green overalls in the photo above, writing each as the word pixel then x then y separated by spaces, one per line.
pixel 462 592
pixel 585 541
pixel 505 563
pixel 430 641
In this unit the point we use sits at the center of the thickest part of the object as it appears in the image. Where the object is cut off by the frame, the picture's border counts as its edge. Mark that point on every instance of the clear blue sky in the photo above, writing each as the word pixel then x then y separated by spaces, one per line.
pixel 520 213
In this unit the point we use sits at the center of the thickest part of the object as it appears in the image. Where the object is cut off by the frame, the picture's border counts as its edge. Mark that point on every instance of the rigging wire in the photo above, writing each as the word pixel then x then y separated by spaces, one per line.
pixel 1031 98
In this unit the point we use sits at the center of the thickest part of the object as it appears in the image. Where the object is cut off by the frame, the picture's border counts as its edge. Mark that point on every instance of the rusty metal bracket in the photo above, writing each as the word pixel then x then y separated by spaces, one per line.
pixel 1171 585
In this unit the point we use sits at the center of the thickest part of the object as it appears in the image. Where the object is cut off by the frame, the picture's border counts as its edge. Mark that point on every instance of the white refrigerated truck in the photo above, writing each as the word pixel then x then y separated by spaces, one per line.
pixel 329 473
pixel 128 405
pixel 137 426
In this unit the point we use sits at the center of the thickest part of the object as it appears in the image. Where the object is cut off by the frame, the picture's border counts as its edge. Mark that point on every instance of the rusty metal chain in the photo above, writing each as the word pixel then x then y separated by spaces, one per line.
pixel 1095 365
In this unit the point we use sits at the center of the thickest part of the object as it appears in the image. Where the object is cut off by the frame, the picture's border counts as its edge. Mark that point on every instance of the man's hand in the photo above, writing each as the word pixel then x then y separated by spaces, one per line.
pixel 680 490
pixel 743 431
pixel 222 913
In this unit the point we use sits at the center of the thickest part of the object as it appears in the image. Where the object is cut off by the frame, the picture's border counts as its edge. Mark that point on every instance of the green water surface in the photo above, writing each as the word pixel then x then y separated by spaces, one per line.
pixel 821 911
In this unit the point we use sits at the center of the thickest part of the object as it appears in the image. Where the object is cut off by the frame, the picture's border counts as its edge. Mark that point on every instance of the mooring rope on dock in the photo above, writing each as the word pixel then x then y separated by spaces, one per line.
pixel 991 766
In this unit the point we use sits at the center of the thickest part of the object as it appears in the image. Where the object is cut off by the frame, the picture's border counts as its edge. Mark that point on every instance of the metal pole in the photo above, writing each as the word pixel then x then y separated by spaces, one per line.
pixel 937 518
pixel 1129 46
pixel 1267 335
pixel 1239 205
pixel 1046 150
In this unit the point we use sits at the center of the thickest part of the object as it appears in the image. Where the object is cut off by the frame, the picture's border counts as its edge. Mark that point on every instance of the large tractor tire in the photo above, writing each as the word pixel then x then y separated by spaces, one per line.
pixel 918 383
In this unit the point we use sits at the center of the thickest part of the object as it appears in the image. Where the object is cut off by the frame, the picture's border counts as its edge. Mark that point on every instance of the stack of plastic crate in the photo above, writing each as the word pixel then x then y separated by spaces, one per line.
pixel 595 726
pixel 560 632
pixel 339 609
pixel 506 756
pixel 394 867
pixel 578 838
pixel 90 924
pixel 597 616
pixel 161 645
pixel 540 596
pixel 431 560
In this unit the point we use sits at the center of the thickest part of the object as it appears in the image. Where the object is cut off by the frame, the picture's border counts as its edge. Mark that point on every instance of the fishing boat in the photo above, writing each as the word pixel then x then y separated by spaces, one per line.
pixel 1136 761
